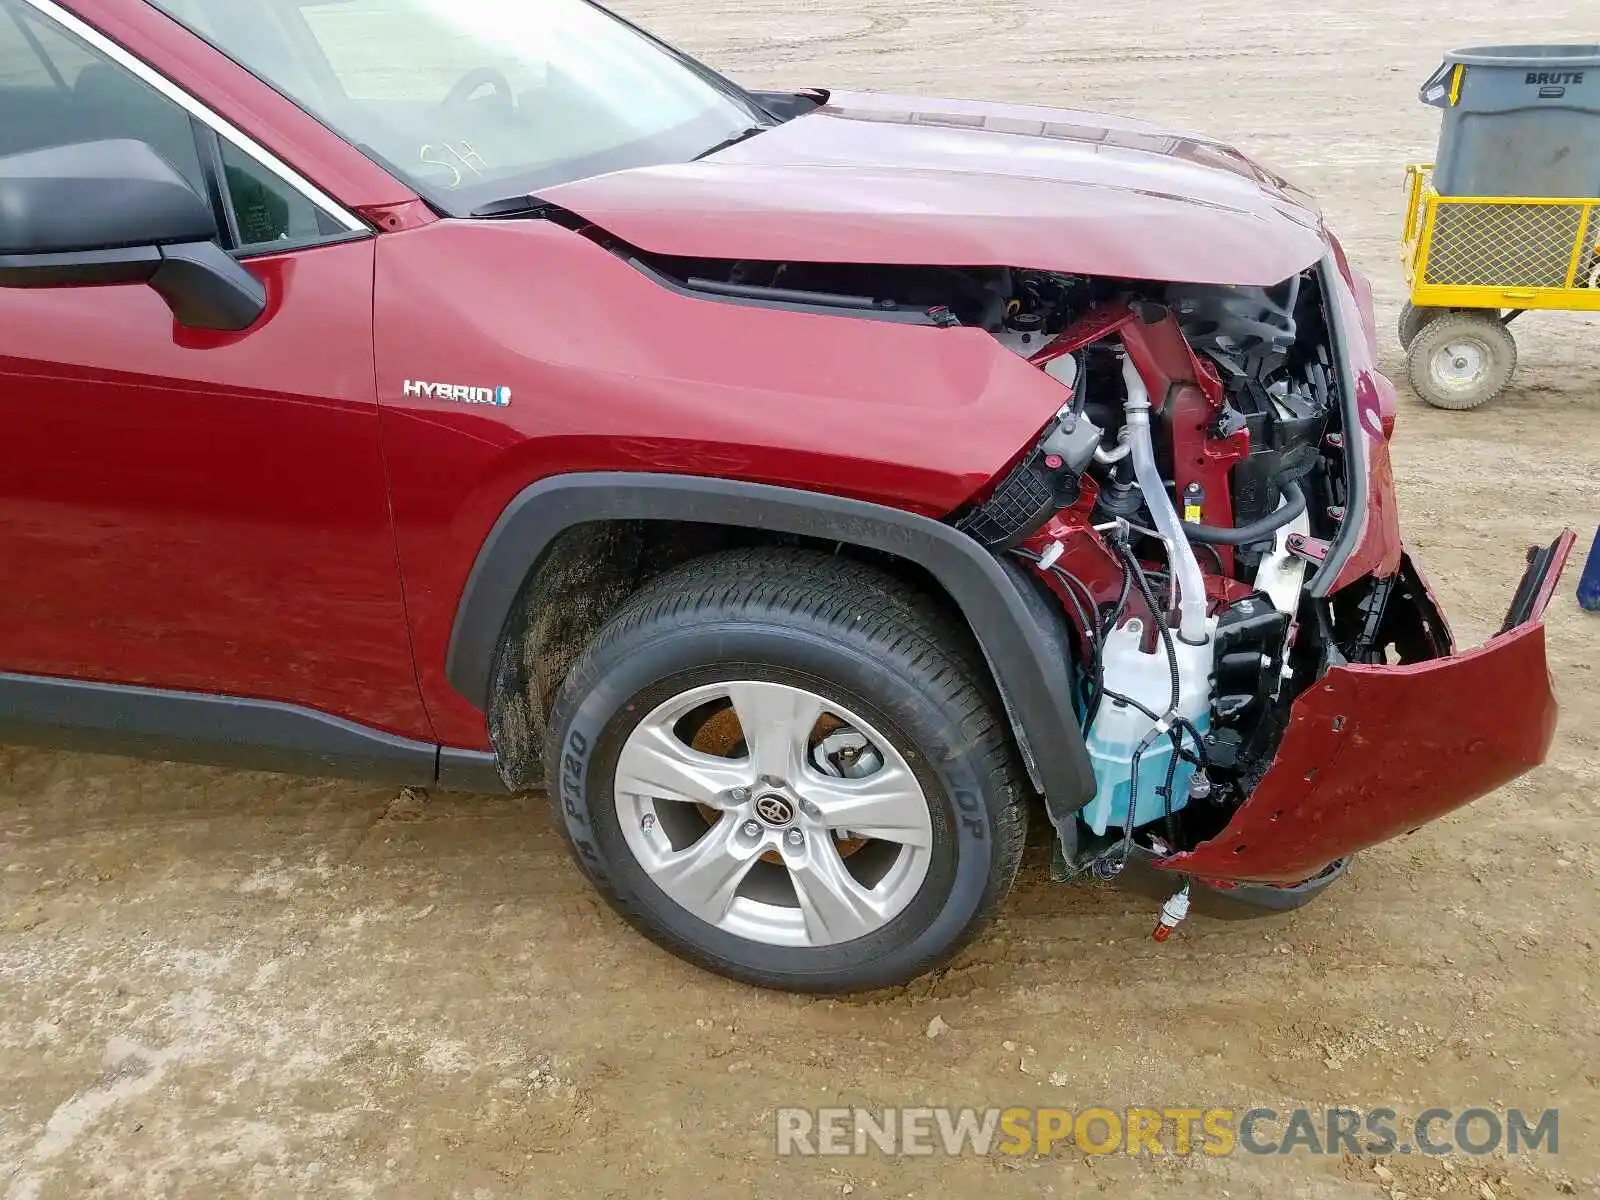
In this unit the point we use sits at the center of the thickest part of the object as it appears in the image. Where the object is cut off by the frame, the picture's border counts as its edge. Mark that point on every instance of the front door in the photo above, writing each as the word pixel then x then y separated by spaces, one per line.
pixel 187 510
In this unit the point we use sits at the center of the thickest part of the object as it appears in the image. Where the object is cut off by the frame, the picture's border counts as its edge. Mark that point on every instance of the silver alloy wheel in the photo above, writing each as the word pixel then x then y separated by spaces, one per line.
pixel 769 846
pixel 1460 365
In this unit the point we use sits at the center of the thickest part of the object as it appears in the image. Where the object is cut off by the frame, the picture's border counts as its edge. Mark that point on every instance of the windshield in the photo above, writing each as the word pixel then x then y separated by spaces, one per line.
pixel 470 101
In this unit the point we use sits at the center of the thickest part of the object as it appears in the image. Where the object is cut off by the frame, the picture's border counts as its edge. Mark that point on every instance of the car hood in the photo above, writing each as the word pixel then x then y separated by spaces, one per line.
pixel 874 178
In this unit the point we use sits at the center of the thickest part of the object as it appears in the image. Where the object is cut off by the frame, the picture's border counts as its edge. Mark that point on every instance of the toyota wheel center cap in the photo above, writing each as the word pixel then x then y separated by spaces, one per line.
pixel 774 810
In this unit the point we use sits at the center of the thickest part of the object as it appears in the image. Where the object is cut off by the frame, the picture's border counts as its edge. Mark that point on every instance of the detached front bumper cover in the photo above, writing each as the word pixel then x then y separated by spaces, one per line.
pixel 1373 752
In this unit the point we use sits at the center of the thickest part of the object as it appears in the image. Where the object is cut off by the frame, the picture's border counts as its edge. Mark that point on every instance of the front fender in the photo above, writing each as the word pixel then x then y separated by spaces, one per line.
pixel 1024 642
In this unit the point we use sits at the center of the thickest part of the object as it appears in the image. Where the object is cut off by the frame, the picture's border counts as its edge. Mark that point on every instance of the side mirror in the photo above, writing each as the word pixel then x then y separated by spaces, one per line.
pixel 114 212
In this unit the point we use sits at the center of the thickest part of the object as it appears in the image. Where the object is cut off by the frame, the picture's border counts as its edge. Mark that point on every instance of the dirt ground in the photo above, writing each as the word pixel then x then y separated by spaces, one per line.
pixel 215 983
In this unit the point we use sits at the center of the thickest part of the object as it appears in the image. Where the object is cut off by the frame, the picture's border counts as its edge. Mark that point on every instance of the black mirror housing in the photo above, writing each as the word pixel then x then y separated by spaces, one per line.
pixel 97 196
pixel 110 212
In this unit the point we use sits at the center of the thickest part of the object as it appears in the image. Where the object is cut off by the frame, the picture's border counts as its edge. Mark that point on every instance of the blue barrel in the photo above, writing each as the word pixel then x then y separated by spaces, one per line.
pixel 1518 121
pixel 1589 584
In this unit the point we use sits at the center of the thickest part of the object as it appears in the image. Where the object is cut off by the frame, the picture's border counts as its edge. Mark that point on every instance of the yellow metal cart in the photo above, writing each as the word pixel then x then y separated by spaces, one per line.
pixel 1476 263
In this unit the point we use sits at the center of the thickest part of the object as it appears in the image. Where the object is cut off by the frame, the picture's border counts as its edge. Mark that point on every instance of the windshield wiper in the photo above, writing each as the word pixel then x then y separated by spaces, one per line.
pixel 514 206
pixel 744 135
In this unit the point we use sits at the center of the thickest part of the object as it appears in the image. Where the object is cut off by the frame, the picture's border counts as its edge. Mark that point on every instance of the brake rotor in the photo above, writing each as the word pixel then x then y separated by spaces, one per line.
pixel 721 734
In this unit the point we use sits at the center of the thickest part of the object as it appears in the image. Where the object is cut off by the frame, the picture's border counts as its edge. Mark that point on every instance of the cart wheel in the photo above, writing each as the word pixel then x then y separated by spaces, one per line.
pixel 1462 360
pixel 1412 319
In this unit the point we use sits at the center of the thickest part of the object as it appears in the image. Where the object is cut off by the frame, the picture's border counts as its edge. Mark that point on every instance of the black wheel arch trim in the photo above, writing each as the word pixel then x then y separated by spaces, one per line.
pixel 1022 637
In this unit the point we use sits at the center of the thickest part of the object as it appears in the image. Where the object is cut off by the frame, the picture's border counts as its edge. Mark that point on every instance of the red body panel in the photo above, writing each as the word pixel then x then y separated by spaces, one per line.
pixel 201 511
pixel 892 179
pixel 1375 752
pixel 612 371
pixel 1191 394
pixel 236 514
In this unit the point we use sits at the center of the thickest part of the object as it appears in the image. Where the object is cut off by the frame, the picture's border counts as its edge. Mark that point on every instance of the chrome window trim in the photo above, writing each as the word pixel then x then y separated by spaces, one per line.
pixel 53 12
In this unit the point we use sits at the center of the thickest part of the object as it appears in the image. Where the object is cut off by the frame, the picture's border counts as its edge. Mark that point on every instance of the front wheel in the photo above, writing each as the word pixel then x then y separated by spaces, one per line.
pixel 1462 360
pixel 771 763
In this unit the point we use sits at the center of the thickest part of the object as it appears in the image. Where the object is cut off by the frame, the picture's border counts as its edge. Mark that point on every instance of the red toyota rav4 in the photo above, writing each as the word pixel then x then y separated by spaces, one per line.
pixel 484 394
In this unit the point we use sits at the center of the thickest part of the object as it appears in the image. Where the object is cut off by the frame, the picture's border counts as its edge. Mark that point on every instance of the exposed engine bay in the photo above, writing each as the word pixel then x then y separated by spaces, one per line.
pixel 1193 481
pixel 1176 506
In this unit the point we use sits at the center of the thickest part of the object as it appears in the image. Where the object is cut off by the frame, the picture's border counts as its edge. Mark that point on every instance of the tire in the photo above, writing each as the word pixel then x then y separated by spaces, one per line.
pixel 771 637
pixel 1413 319
pixel 1462 360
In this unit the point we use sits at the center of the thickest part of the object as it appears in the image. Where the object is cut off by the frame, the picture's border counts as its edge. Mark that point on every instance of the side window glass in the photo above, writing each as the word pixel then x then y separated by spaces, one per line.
pixel 23 66
pixel 266 213
pixel 56 90
pixel 67 56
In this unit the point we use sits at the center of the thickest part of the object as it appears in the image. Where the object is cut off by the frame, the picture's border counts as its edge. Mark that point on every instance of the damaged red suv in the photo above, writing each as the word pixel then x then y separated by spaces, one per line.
pixel 486 395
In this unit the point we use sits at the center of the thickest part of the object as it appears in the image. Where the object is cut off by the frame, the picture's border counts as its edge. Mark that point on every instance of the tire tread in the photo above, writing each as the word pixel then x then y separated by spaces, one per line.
pixel 898 623
pixel 1502 345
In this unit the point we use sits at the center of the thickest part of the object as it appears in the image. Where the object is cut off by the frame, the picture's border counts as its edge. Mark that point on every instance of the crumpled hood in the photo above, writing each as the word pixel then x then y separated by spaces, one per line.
pixel 871 178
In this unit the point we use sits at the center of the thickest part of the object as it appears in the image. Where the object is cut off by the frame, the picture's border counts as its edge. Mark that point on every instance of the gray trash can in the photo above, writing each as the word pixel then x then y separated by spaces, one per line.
pixel 1518 121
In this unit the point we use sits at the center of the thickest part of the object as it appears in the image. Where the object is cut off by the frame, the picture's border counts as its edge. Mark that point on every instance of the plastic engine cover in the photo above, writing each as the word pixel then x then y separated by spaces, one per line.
pixel 1119 728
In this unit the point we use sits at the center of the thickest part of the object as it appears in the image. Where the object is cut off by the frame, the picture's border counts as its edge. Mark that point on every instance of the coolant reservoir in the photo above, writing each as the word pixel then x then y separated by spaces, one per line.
pixel 1063 370
pixel 1119 728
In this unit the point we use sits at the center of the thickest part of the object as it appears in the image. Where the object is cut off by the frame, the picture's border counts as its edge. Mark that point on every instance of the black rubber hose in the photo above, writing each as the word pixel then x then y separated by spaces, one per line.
pixel 1171 821
pixel 1080 385
pixel 1203 760
pixel 1132 564
pixel 1091 631
pixel 1257 531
